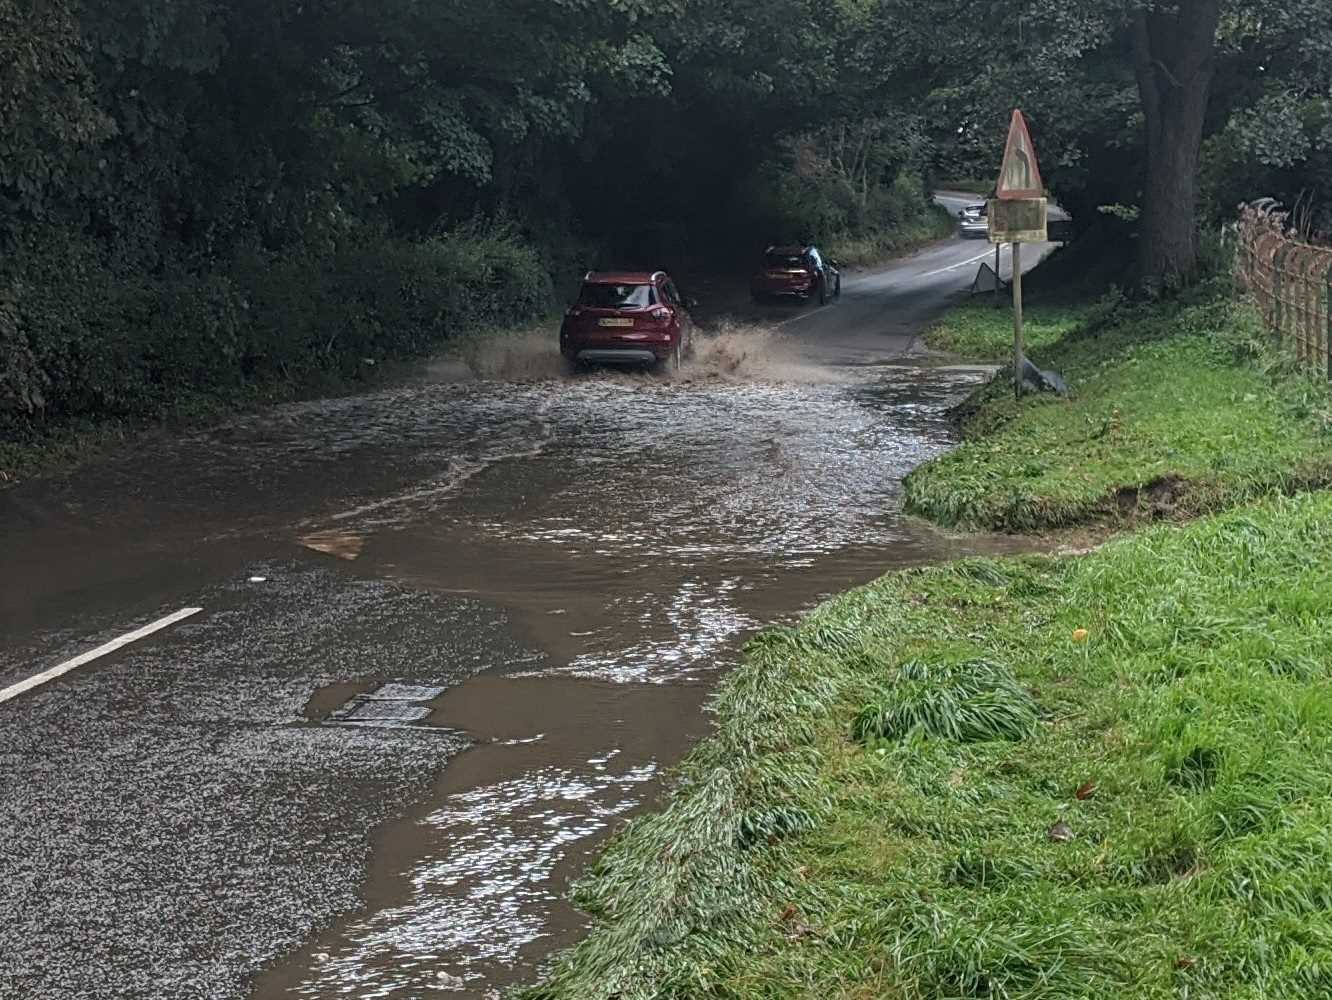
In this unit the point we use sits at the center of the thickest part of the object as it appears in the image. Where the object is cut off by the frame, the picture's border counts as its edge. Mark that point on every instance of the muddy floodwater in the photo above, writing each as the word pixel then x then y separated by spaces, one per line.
pixel 452 635
pixel 636 528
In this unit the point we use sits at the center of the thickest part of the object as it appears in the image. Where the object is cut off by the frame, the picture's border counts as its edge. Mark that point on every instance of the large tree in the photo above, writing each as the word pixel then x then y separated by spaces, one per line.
pixel 1174 58
pixel 1126 97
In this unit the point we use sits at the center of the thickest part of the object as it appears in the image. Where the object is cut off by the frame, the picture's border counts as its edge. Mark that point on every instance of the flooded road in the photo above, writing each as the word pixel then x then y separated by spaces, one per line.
pixel 451 635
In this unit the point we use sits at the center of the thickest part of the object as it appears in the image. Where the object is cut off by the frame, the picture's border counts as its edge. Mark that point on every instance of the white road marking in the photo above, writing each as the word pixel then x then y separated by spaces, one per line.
pixel 49 675
pixel 960 263
pixel 804 315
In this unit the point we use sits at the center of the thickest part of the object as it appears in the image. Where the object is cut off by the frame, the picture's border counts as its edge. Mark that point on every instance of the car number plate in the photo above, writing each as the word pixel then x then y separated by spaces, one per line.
pixel 616 322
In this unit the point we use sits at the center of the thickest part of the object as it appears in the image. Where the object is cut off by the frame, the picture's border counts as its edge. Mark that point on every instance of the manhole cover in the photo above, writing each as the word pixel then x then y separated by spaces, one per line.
pixel 390 706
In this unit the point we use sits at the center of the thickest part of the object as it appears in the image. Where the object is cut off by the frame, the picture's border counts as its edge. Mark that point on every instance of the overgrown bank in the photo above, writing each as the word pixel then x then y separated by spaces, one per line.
pixel 909 233
pixel 1177 409
pixel 1107 776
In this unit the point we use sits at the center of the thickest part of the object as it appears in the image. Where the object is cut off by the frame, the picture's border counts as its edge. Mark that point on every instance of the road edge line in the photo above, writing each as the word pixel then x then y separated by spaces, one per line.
pixel 37 680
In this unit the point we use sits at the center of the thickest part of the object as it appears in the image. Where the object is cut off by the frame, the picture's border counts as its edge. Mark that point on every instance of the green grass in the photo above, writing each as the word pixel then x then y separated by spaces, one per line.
pixel 932 788
pixel 982 330
pixel 1174 413
pixel 867 251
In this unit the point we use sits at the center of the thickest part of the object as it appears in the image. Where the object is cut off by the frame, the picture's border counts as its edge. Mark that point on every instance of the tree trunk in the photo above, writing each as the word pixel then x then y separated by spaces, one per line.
pixel 1174 51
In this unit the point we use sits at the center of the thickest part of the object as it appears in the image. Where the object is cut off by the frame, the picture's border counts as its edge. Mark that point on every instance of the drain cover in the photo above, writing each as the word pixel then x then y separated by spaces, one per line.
pixel 381 711
pixel 390 706
pixel 404 692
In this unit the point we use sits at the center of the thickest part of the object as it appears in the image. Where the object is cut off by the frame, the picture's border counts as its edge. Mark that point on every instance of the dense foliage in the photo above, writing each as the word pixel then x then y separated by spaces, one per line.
pixel 204 195
pixel 1159 111
pixel 199 195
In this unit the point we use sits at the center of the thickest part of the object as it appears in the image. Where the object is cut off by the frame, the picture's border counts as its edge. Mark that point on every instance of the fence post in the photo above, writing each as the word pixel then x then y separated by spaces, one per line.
pixel 1278 281
pixel 1327 344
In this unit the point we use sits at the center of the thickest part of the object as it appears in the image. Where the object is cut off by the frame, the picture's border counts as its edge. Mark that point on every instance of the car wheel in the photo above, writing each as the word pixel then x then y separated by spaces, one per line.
pixel 837 288
pixel 673 362
pixel 823 292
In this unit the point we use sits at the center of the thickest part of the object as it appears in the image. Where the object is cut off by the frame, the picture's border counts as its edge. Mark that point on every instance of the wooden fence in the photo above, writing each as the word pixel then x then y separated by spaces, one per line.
pixel 1291 282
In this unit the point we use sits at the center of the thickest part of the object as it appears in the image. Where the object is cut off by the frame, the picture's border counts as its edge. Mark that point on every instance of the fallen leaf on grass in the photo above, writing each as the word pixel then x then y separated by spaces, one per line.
pixel 1085 791
pixel 1060 832
pixel 796 928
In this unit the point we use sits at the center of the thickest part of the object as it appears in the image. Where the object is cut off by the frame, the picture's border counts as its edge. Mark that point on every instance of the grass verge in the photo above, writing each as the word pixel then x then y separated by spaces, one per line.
pixel 867 251
pixel 1177 410
pixel 1104 776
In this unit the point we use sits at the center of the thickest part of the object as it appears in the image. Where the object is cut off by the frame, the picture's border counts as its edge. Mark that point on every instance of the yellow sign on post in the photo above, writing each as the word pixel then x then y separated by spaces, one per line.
pixel 1024 221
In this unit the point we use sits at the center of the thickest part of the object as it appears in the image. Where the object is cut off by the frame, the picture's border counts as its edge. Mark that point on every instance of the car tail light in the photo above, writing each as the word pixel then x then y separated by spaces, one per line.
pixel 660 315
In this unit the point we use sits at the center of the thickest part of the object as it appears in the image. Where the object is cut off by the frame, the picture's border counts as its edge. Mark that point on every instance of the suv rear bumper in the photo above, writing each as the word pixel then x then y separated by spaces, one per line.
pixel 615 356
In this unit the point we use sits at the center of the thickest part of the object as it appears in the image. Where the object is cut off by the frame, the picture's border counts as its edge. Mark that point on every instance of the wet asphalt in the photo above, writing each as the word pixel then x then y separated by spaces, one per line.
pixel 451 634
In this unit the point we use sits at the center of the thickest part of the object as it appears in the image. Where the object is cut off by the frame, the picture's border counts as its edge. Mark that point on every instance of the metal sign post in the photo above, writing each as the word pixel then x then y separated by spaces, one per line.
pixel 1017 215
pixel 1019 348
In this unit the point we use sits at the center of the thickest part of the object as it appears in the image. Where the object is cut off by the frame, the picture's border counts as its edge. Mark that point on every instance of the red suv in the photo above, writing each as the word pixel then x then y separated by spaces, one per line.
pixel 627 317
pixel 801 272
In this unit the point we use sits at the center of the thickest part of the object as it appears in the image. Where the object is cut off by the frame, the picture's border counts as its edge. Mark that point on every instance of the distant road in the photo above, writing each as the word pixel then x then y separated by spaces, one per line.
pixel 883 310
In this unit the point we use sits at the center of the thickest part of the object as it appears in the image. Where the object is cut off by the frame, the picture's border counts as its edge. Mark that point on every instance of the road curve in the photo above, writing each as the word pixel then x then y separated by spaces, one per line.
pixel 883 310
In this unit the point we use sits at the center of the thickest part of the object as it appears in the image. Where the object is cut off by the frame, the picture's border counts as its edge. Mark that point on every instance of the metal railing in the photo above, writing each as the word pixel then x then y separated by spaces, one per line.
pixel 1290 280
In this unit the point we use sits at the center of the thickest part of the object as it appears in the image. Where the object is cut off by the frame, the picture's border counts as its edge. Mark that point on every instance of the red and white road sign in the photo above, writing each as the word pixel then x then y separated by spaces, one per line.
pixel 1019 177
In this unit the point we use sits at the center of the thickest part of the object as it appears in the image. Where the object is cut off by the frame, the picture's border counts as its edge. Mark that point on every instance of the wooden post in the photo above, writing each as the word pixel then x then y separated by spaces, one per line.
pixel 1327 346
pixel 998 281
pixel 1018 350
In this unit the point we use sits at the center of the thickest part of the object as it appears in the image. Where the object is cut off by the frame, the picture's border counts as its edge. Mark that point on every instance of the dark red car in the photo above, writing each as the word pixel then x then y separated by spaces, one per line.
pixel 796 272
pixel 627 318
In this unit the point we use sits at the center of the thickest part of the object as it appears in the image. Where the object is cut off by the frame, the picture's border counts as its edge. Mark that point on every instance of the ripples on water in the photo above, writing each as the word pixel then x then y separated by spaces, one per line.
pixel 485 894
pixel 639 526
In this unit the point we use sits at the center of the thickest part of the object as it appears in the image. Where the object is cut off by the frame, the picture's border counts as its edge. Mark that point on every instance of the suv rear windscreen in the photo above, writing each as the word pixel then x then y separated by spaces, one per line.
pixel 784 261
pixel 616 296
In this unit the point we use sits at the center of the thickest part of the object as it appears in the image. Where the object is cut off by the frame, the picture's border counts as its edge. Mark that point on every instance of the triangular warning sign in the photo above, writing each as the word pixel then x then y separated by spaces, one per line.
pixel 1019 177
pixel 986 281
